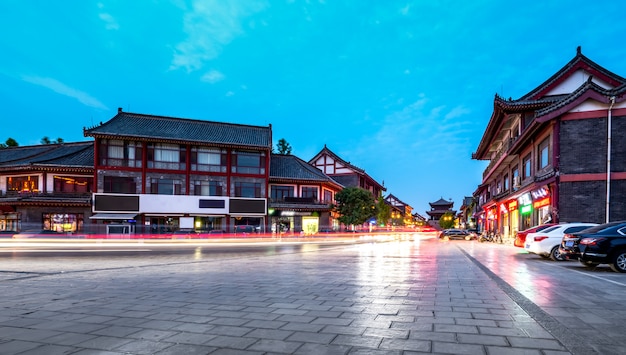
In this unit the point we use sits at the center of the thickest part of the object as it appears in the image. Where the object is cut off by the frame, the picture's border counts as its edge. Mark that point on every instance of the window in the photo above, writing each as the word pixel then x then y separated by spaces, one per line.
pixel 247 189
pixel 166 156
pixel 120 153
pixel 280 192
pixel 248 163
pixel 165 187
pixel 205 159
pixel 506 182
pixel 309 192
pixel 544 154
pixel 72 184
pixel 209 188
pixel 328 196
pixel 63 222
pixel 23 183
pixel 120 184
pixel 527 167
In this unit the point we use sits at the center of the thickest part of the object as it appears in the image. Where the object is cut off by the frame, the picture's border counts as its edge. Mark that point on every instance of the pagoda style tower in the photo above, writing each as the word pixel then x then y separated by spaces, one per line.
pixel 439 208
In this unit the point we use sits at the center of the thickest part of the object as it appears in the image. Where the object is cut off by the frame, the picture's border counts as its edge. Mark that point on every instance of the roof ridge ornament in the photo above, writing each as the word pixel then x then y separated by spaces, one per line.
pixel 579 50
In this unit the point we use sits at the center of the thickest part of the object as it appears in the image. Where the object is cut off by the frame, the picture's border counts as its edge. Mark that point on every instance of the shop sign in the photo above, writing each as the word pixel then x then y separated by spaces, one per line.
pixel 541 203
pixel 540 193
pixel 294 213
pixel 503 208
pixel 512 205
pixel 525 199
pixel 526 209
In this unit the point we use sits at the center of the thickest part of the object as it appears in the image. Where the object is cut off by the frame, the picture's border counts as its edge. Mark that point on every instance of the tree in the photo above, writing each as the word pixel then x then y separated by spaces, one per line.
pixel 283 147
pixel 10 142
pixel 384 211
pixel 45 140
pixel 447 220
pixel 355 205
pixel 58 141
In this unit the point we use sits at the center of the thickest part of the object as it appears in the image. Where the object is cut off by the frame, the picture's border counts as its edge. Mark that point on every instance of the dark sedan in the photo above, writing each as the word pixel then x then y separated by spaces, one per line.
pixel 456 234
pixel 602 244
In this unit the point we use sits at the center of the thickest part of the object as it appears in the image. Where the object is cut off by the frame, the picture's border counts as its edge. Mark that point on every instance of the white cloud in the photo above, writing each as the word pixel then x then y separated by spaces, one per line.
pixel 425 133
pixel 110 22
pixel 212 76
pixel 65 90
pixel 405 10
pixel 230 93
pixel 209 26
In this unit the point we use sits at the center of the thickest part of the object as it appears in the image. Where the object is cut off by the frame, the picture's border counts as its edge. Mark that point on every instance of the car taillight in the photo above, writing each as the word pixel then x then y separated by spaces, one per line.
pixel 540 238
pixel 591 241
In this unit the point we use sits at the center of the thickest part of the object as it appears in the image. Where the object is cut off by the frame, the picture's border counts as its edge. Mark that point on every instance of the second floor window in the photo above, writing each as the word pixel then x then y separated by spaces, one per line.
pixel 166 187
pixel 72 184
pixel 209 188
pixel 120 184
pixel 328 196
pixel 247 189
pixel 309 192
pixel 527 172
pixel 120 153
pixel 206 159
pixel 248 162
pixel 280 192
pixel 544 154
pixel 23 183
pixel 166 156
pixel 506 182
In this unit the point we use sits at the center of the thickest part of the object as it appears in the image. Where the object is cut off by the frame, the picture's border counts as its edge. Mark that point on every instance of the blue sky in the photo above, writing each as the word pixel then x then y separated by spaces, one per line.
pixel 402 89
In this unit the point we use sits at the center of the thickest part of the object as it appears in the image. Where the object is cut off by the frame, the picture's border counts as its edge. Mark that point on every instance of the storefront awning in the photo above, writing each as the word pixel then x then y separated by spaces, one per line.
pixel 119 216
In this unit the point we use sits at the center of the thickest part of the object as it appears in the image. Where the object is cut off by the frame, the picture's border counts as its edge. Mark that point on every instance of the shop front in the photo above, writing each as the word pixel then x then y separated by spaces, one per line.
pixel 525 204
pixel 542 204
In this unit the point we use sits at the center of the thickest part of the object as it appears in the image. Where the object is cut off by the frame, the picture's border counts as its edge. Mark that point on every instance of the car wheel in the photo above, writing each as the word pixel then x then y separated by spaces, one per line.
pixel 589 264
pixel 556 255
pixel 619 261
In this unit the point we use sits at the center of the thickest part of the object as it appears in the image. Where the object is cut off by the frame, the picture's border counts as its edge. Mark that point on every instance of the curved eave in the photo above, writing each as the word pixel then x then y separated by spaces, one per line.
pixel 176 141
pixel 587 92
pixel 299 208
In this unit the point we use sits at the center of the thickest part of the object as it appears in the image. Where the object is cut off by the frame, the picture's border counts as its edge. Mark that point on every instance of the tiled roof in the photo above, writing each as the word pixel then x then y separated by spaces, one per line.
pixel 78 154
pixel 441 202
pixel 358 170
pixel 578 62
pixel 290 167
pixel 162 128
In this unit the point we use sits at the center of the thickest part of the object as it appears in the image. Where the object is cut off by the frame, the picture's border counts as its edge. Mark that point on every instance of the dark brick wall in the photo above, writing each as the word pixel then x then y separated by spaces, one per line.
pixel 583 146
pixel 584 142
pixel 586 201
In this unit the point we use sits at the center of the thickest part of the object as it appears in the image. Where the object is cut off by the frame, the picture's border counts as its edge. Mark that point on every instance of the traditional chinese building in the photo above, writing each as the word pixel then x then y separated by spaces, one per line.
pixel 157 174
pixel 556 153
pixel 46 187
pixel 439 208
pixel 345 173
pixel 301 197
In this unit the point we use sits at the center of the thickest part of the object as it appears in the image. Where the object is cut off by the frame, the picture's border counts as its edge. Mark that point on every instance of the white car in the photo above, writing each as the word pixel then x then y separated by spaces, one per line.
pixel 546 242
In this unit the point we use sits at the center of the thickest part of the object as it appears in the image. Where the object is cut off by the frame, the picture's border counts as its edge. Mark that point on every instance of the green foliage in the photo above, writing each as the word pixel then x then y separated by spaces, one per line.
pixel 46 140
pixel 10 142
pixel 283 147
pixel 384 211
pixel 355 205
pixel 447 220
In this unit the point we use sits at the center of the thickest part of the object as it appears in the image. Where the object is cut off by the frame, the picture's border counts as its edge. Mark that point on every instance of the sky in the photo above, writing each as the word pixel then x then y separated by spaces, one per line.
pixel 401 89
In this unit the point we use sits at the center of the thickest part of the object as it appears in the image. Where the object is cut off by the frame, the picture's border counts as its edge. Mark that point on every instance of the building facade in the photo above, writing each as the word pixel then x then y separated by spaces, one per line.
pixel 157 174
pixel 301 197
pixel 46 187
pixel 345 173
pixel 556 153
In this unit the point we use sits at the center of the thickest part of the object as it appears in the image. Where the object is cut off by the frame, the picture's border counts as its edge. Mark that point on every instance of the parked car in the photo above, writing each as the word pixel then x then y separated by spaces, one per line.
pixel 546 242
pixel 603 244
pixel 39 233
pixel 454 233
pixel 520 238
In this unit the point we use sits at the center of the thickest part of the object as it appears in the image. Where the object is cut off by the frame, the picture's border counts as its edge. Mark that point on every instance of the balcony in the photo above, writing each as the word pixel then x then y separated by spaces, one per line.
pixel 507 144
pixel 23 196
pixel 299 202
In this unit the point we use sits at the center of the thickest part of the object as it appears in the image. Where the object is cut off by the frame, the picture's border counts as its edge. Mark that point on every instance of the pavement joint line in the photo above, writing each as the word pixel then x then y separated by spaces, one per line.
pixel 573 344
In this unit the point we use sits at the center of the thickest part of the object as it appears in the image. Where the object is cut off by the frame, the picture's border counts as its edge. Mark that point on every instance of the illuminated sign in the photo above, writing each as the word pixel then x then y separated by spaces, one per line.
pixel 526 209
pixel 512 205
pixel 542 202
pixel 503 208
pixel 524 199
pixel 540 193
